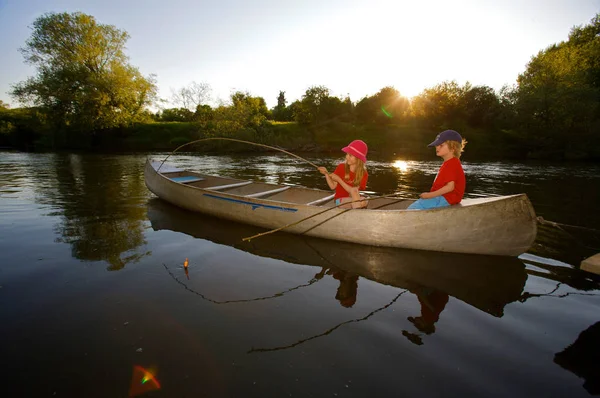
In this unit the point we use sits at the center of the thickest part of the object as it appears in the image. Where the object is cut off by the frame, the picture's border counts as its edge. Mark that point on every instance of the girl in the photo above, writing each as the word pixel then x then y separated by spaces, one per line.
pixel 349 177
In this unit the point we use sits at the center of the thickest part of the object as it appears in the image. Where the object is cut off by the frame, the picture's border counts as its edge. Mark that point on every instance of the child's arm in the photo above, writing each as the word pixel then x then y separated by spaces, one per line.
pixel 449 187
pixel 354 192
pixel 332 184
pixel 338 180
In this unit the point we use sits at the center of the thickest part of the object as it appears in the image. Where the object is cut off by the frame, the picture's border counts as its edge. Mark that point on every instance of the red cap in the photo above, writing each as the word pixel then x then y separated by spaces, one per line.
pixel 358 149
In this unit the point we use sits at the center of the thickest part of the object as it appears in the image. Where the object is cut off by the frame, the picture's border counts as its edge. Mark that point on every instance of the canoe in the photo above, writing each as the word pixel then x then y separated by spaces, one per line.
pixel 487 283
pixel 503 225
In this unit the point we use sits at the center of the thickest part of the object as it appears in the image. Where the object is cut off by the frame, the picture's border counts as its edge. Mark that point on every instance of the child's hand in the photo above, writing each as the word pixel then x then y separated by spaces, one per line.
pixel 426 195
pixel 323 170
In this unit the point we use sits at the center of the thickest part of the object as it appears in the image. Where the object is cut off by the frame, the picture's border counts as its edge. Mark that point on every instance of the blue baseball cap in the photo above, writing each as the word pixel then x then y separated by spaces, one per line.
pixel 446 135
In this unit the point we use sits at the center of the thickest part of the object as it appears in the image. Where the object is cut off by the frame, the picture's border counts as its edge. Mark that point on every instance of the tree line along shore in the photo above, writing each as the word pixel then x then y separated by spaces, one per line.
pixel 87 96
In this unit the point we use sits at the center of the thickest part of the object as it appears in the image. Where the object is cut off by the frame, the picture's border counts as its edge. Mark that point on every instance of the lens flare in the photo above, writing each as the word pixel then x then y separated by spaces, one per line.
pixel 142 381
pixel 385 112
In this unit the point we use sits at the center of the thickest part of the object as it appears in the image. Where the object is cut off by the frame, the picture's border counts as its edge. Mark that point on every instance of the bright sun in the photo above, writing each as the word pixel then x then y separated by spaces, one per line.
pixel 400 165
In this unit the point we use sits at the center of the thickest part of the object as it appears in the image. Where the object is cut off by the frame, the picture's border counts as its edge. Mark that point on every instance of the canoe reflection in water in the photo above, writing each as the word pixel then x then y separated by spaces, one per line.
pixel 488 283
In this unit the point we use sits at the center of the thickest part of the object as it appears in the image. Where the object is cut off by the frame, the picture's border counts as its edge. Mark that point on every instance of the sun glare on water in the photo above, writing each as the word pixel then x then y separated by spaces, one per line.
pixel 401 165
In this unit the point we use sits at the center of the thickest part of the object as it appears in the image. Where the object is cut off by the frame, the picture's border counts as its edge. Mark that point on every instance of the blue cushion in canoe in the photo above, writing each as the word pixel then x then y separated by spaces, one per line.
pixel 186 179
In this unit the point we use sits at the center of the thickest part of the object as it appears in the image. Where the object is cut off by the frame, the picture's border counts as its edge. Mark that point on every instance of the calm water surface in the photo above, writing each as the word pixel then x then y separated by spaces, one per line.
pixel 92 288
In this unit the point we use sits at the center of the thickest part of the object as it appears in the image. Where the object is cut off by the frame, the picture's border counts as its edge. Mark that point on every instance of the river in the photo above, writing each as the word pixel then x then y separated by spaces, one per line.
pixel 95 301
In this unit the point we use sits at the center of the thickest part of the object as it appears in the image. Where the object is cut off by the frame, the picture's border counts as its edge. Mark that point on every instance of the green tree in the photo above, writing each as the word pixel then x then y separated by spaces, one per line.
pixel 177 115
pixel 295 109
pixel 507 115
pixel 386 107
pixel 442 105
pixel 308 111
pixel 244 112
pixel 334 108
pixel 204 114
pixel 318 106
pixel 83 81
pixel 366 110
pixel 6 127
pixel 248 110
pixel 558 96
pixel 281 112
pixel 22 127
pixel 281 101
pixel 481 106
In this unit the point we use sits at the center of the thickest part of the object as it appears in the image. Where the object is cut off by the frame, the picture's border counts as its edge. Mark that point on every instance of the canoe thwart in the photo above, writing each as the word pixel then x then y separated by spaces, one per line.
pixel 265 193
pixel 221 187
pixel 322 200
pixel 186 179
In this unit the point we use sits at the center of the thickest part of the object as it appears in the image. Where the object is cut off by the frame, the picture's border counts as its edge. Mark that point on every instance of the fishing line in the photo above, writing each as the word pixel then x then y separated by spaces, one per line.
pixel 236 140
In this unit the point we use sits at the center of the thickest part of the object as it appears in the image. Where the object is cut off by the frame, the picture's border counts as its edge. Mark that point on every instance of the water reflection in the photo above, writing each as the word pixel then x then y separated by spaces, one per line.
pixel 432 303
pixel 488 283
pixel 330 330
pixel 562 273
pixel 211 300
pixel 401 165
pixel 100 205
pixel 356 327
pixel 583 358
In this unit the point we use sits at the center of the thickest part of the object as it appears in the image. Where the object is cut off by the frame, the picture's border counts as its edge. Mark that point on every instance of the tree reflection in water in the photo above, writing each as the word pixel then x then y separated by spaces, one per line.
pixel 101 203
pixel 583 358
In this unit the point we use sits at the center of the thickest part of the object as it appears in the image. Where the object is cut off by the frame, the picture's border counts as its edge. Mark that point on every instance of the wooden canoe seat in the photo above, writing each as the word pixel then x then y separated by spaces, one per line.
pixel 220 187
pixel 186 179
pixel 265 193
pixel 321 201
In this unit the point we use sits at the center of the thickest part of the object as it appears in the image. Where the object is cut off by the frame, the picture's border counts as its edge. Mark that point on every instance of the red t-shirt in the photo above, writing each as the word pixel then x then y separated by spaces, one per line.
pixel 340 192
pixel 451 170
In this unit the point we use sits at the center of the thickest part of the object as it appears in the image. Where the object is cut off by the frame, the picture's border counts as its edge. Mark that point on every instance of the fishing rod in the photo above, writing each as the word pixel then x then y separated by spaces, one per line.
pixel 325 211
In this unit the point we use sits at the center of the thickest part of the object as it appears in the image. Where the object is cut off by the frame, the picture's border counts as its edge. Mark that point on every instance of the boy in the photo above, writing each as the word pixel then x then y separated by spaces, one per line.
pixel 449 185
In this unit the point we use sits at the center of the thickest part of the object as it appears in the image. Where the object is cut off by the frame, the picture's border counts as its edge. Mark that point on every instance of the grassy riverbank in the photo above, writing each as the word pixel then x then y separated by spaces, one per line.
pixel 407 140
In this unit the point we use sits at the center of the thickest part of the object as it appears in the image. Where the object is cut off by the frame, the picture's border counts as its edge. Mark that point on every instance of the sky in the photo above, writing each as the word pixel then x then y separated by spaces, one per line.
pixel 354 48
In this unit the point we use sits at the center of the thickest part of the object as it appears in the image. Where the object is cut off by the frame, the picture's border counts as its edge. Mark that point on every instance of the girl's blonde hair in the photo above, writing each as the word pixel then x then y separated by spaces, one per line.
pixel 360 172
pixel 456 147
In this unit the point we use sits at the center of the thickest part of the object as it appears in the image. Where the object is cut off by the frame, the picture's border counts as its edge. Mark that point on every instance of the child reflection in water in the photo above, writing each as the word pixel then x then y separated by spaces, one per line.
pixel 433 303
pixel 348 289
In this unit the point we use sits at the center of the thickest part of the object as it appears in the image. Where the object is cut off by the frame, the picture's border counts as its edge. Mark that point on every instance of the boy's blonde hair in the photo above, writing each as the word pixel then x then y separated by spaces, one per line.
pixel 360 172
pixel 456 147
